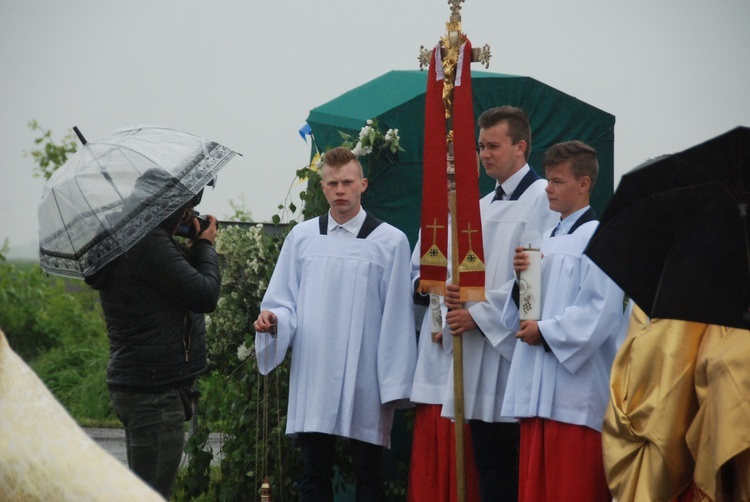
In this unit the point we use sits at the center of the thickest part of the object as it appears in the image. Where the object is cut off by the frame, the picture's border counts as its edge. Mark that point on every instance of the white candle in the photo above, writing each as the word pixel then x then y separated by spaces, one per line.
pixel 436 316
pixel 530 287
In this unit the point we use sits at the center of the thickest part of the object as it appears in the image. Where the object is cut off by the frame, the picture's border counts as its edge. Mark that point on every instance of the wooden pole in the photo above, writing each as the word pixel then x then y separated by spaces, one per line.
pixel 449 47
pixel 458 351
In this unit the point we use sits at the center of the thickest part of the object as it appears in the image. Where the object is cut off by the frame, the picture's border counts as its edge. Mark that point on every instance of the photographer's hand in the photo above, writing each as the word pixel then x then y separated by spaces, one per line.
pixel 209 233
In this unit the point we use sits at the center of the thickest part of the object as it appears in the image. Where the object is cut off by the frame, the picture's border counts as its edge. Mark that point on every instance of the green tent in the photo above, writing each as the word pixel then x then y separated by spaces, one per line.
pixel 396 99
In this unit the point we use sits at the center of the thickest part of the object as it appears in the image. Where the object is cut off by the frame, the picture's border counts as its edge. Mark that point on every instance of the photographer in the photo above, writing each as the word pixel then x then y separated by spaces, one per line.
pixel 154 298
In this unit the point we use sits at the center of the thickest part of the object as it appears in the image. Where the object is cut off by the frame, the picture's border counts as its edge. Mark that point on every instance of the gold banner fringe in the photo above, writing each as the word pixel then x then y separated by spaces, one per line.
pixel 472 294
pixel 432 287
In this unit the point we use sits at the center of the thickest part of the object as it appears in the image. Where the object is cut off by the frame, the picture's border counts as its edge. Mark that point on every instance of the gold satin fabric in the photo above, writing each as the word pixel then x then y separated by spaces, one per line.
pixel 44 455
pixel 652 404
pixel 719 437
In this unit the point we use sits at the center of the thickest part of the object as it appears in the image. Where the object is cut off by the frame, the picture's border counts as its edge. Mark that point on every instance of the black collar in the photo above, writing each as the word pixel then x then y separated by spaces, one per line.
pixel 370 224
pixel 588 215
pixel 527 180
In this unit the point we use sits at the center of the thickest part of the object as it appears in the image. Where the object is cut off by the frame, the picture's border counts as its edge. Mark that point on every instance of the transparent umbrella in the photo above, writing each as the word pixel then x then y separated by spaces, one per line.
pixel 116 189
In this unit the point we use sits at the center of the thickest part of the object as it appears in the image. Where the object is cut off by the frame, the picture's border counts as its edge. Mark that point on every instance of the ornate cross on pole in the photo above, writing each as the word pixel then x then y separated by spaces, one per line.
pixel 452 58
pixel 478 55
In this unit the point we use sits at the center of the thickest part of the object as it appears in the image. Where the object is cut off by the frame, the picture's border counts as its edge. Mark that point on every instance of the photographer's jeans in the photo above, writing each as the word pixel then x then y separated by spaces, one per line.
pixel 154 435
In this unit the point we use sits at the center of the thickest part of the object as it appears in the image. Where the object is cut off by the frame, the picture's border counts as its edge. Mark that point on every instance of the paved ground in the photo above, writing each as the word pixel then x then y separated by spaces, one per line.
pixel 113 440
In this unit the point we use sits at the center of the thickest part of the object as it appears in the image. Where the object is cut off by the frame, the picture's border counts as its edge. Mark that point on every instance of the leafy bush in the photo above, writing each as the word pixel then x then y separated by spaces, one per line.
pixel 23 294
pixel 57 326
pixel 48 155
pixel 76 375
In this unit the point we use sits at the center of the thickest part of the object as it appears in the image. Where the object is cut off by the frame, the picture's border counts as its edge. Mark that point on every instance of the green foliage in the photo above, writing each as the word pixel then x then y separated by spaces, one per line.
pixel 49 156
pixel 22 294
pixel 241 212
pixel 76 375
pixel 56 325
pixel 247 257
pixel 42 312
pixel 313 200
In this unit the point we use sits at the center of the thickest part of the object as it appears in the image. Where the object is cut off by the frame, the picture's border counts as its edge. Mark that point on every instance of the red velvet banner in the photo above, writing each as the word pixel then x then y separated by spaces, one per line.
pixel 468 219
pixel 434 237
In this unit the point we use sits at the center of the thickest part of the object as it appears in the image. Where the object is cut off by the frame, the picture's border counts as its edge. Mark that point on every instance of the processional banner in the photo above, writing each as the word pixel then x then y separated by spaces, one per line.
pixel 454 103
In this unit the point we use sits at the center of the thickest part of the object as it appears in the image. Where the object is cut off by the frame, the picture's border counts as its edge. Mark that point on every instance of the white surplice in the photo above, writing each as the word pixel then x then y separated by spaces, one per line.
pixel 434 360
pixel 344 306
pixel 582 322
pixel 487 354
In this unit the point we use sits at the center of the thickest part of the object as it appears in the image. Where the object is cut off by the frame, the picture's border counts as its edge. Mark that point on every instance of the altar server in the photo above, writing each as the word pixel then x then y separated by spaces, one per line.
pixel 558 384
pixel 432 470
pixel 515 212
pixel 340 297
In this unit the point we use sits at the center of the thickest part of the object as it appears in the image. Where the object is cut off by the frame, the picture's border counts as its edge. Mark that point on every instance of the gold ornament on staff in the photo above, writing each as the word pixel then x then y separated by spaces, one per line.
pixel 450 45
pixel 265 491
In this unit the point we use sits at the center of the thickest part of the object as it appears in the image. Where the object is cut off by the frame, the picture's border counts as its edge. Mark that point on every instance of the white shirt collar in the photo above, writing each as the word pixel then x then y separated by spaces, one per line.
pixel 510 185
pixel 352 226
pixel 567 223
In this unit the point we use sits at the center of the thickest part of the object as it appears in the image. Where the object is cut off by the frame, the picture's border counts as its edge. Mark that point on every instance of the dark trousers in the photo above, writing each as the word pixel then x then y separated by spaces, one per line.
pixel 496 447
pixel 154 435
pixel 318 456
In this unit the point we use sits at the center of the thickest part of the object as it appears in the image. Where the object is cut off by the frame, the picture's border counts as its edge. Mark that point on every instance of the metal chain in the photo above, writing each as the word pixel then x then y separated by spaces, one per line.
pixel 264 412
pixel 279 435
pixel 258 446
pixel 261 448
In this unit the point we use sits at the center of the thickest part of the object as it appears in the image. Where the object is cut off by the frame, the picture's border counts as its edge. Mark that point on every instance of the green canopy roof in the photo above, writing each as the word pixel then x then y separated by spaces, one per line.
pixel 396 99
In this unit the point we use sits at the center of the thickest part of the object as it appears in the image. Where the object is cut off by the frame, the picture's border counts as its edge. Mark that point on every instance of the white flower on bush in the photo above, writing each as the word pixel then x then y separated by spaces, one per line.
pixel 365 132
pixel 249 256
pixel 359 150
pixel 317 163
pixel 371 140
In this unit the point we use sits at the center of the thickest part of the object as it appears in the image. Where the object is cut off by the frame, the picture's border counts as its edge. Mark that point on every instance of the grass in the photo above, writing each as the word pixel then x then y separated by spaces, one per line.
pixel 99 423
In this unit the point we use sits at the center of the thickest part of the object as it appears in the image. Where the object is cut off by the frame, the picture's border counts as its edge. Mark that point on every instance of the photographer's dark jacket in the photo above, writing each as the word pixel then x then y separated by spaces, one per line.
pixel 154 298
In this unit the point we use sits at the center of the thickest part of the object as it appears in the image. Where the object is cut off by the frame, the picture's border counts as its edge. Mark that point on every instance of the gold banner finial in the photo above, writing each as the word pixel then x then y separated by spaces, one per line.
pixel 450 45
pixel 456 8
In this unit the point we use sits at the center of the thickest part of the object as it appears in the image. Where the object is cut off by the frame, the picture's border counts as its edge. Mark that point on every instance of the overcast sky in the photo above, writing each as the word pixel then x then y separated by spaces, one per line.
pixel 246 74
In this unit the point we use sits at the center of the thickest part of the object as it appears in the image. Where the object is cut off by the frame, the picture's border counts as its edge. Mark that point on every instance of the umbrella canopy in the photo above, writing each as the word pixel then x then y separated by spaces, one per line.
pixel 115 190
pixel 675 234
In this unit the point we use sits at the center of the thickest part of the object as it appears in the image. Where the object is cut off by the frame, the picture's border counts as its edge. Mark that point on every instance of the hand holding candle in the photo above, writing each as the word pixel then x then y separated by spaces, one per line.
pixel 528 265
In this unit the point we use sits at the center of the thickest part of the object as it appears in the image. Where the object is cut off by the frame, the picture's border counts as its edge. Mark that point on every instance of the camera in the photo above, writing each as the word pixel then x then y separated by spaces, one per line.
pixel 187 228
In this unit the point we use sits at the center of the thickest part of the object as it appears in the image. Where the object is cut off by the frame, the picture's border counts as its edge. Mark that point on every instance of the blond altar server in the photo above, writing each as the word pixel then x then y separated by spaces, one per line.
pixel 340 298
